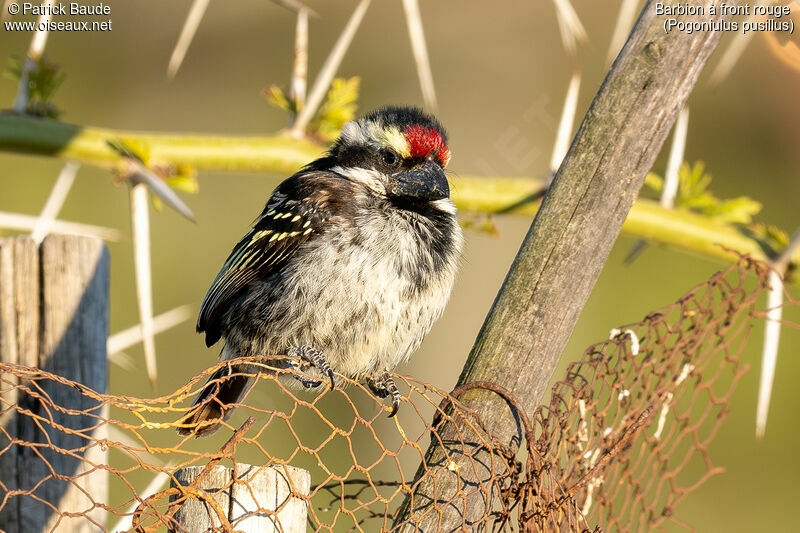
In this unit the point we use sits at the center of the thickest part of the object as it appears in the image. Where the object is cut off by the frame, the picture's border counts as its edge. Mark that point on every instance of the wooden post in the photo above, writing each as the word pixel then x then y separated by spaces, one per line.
pixel 532 318
pixel 53 315
pixel 244 494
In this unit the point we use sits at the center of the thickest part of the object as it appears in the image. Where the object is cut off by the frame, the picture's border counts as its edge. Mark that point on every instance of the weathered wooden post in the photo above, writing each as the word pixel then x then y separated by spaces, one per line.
pixel 254 499
pixel 53 315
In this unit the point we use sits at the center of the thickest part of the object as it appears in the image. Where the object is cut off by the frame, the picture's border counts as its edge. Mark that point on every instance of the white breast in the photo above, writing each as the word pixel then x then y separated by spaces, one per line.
pixel 357 295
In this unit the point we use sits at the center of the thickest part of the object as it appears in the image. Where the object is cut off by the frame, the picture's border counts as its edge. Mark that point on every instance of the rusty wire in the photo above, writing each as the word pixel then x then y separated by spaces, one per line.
pixel 621 441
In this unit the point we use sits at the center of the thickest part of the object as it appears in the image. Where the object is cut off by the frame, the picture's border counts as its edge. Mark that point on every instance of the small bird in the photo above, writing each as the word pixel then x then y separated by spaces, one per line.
pixel 346 269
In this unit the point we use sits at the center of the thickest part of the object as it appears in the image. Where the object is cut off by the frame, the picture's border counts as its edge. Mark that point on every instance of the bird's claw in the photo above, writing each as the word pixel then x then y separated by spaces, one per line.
pixel 314 358
pixel 384 386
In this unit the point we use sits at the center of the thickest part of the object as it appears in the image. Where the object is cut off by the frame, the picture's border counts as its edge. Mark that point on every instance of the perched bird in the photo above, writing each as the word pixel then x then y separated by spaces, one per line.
pixel 347 267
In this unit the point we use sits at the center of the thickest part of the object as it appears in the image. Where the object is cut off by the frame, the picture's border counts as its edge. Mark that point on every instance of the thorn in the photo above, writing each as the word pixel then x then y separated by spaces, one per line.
pixel 789 254
pixel 22 222
pixel 570 26
pixel 627 13
pixel 328 71
pixel 671 176
pixel 732 54
pixel 55 201
pixel 420 51
pixel 565 125
pixel 137 173
pixel 193 19
pixel 296 7
pixel 635 251
pixel 772 330
pixel 140 221
pixel 299 83
pixel 769 354
pixel 676 153
pixel 126 338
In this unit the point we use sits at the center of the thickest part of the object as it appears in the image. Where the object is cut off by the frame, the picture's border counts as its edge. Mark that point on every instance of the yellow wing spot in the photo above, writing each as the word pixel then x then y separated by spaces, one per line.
pixel 294 234
pixel 257 235
pixel 282 236
pixel 286 215
pixel 248 259
pixel 274 237
pixel 295 219
pixel 277 216
pixel 270 212
pixel 308 223
pixel 309 230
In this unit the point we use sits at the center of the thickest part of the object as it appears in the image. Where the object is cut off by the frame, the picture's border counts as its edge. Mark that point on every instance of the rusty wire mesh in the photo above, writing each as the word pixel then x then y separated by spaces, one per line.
pixel 622 440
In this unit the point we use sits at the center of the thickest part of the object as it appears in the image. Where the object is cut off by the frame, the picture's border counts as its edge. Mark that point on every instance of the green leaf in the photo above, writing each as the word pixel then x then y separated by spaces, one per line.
pixel 186 184
pixel 278 97
pixel 44 79
pixel 777 235
pixel 739 210
pixel 132 148
pixel 654 182
pixel 694 194
pixel 692 182
pixel 13 71
pixel 158 203
pixel 339 107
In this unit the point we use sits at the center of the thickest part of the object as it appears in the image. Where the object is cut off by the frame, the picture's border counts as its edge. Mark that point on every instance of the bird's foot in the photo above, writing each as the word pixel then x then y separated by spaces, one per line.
pixel 314 358
pixel 384 386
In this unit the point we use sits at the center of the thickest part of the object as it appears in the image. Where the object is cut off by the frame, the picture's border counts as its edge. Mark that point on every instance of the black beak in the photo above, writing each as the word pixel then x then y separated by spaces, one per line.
pixel 424 183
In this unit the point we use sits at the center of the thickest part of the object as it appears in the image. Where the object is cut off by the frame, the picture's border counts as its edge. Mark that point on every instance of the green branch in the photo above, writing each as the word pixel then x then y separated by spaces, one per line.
pixel 282 155
pixel 278 154
pixel 647 219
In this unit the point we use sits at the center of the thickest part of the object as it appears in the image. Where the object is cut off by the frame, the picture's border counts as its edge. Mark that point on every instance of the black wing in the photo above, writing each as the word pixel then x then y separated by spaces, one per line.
pixel 293 215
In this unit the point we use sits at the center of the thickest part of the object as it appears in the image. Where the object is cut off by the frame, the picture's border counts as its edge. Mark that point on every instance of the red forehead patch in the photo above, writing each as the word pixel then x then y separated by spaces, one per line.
pixel 424 142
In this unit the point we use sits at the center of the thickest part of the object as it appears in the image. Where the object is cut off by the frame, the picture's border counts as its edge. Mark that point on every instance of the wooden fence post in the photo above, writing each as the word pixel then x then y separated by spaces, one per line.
pixel 240 492
pixel 53 315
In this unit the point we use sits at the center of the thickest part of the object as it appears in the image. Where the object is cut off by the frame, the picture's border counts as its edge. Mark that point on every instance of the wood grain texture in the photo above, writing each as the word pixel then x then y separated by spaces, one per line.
pixel 19 344
pixel 252 488
pixel 564 251
pixel 57 320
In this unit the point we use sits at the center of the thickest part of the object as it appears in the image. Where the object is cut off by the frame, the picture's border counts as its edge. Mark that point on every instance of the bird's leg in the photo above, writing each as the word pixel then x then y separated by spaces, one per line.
pixel 384 386
pixel 314 358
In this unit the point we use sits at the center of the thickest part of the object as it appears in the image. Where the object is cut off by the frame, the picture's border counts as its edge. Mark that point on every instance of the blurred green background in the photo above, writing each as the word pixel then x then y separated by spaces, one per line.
pixel 500 74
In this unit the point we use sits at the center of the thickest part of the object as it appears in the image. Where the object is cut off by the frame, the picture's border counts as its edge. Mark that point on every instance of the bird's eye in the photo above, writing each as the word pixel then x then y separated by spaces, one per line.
pixel 389 157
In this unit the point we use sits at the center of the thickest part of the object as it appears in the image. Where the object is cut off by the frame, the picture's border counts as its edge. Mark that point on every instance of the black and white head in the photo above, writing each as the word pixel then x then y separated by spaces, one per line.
pixel 399 153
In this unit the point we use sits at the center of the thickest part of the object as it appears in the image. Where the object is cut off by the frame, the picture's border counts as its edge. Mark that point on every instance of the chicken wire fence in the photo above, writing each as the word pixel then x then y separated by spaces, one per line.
pixel 622 440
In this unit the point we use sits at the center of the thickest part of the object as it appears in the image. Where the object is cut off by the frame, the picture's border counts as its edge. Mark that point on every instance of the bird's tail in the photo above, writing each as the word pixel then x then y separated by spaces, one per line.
pixel 213 403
